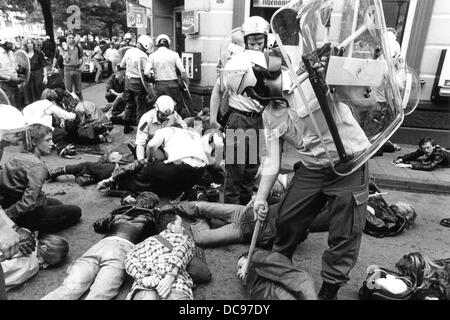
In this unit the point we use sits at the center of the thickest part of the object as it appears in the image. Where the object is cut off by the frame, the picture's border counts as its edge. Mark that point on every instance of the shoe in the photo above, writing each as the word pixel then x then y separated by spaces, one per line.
pixel 127 129
pixel 328 291
pixel 445 223
pixel 53 174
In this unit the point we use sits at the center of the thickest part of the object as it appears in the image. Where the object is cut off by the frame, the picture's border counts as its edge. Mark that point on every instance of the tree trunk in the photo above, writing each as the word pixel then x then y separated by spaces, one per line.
pixel 46 6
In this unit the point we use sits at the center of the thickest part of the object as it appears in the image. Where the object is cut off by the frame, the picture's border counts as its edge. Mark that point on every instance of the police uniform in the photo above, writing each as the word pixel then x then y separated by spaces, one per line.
pixel 241 169
pixel 315 183
pixel 165 63
pixel 134 94
pixel 149 124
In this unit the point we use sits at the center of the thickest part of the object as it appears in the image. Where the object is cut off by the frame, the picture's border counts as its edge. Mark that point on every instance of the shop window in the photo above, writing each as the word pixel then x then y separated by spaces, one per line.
pixel 395 13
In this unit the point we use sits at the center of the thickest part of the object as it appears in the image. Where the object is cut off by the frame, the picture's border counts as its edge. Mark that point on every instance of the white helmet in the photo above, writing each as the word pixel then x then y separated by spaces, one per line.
pixel 127 36
pixel 145 41
pixel 161 37
pixel 255 25
pixel 165 104
pixel 3 40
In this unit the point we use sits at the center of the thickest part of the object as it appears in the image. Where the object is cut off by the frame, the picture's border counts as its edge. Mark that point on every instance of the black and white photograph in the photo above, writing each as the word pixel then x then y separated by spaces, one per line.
pixel 227 153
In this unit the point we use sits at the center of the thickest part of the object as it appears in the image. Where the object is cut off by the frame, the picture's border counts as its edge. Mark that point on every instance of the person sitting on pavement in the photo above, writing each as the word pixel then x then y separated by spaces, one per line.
pixel 431 278
pixel 114 93
pixel 101 268
pixel 46 111
pixel 272 276
pixel 428 157
pixel 176 158
pixel 21 182
pixel 50 250
pixel 158 264
pixel 162 116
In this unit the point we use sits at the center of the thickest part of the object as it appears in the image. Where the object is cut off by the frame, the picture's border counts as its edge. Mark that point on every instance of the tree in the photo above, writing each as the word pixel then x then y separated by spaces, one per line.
pixel 46 6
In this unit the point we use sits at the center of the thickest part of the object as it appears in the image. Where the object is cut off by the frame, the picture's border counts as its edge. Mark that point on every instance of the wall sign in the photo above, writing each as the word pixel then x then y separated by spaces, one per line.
pixel 136 16
pixel 190 22
pixel 270 3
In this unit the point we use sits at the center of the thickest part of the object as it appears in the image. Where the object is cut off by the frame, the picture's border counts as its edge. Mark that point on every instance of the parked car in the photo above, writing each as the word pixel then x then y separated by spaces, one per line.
pixel 88 72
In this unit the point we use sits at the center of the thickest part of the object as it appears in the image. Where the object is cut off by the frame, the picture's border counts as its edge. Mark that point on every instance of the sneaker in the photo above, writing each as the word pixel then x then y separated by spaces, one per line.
pixel 328 291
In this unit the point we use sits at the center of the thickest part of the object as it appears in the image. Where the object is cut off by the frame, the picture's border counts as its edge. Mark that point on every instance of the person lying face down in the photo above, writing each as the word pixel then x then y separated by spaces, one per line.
pixel 272 276
pixel 177 158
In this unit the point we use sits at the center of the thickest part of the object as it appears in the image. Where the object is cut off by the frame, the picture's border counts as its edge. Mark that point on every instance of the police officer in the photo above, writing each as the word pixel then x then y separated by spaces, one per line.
pixel 135 94
pixel 163 65
pixel 162 116
pixel 245 114
pixel 8 70
pixel 126 40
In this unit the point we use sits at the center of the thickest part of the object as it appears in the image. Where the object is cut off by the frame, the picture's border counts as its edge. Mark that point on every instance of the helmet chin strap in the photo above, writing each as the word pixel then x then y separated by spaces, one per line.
pixel 264 100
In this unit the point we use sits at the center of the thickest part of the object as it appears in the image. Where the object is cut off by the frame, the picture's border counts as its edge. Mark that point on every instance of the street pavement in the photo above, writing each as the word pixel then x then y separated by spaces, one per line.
pixel 426 236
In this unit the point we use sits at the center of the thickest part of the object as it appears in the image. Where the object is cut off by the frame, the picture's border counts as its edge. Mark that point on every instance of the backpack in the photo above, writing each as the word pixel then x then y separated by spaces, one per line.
pixel 381 220
pixel 372 289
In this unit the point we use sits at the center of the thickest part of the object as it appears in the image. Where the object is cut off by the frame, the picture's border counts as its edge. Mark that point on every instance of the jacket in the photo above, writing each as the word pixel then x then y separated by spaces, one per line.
pixel 438 158
pixel 21 182
pixel 131 223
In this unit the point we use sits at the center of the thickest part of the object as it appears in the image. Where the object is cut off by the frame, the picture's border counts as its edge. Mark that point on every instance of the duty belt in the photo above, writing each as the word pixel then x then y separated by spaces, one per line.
pixel 247 114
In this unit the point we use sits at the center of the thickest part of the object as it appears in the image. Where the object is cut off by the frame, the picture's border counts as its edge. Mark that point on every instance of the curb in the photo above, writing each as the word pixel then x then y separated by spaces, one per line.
pixel 412 185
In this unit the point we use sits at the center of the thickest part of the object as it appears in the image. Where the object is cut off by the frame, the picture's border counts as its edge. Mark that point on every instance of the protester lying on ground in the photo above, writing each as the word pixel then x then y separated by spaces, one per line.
pixel 177 162
pixel 114 93
pixel 101 268
pixel 162 116
pixel 50 251
pixel 46 111
pixel 428 157
pixel 431 278
pixel 21 183
pixel 272 276
pixel 87 173
pixel 238 222
pixel 158 264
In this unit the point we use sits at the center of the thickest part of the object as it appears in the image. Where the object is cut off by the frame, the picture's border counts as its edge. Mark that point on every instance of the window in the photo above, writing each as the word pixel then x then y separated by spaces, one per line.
pixel 395 13
pixel 266 8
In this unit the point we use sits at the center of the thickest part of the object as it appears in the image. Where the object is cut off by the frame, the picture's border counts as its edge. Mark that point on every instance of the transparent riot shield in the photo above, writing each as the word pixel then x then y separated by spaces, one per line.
pixel 338 58
pixel 232 44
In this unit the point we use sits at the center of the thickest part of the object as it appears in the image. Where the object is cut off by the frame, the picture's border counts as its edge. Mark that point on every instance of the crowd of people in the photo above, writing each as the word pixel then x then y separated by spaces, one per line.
pixel 172 157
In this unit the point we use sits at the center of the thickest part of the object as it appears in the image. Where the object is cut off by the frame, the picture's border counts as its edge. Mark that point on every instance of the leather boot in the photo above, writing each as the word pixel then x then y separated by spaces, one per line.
pixel 56 173
pixel 84 180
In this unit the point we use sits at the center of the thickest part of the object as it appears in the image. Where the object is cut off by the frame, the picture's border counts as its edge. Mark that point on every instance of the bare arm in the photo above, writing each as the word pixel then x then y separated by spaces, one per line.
pixel 214 106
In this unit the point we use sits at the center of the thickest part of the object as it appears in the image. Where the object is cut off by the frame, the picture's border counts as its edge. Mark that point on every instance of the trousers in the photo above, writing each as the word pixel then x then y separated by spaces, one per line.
pixel 52 217
pixel 347 201
pixel 72 81
pixel 100 270
pixel 242 165
pixel 135 99
pixel 224 235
